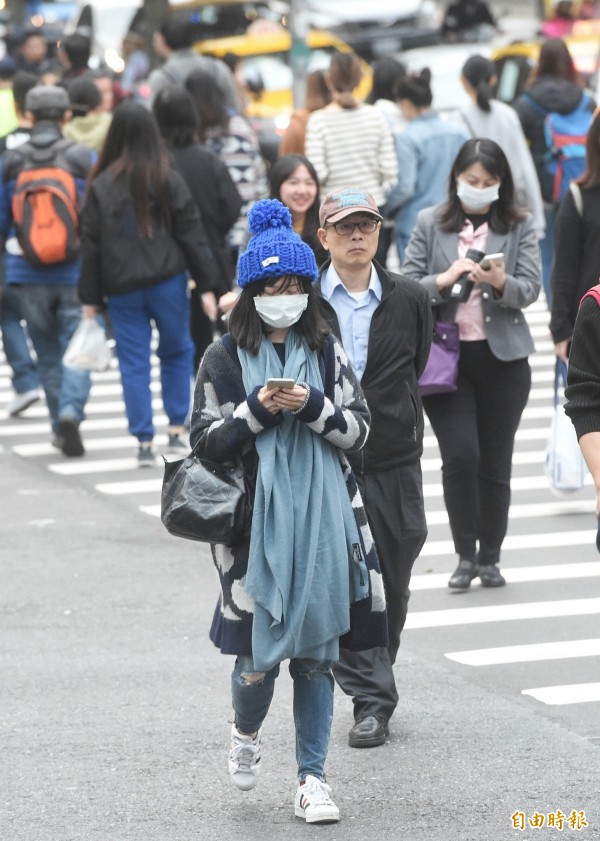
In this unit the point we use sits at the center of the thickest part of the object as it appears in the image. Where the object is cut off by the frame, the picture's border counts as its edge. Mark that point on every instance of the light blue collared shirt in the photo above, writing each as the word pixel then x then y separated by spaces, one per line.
pixel 354 314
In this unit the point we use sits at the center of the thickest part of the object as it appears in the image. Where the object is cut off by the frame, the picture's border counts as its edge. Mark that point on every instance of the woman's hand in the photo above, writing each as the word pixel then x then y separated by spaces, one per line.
pixel 451 275
pixel 494 274
pixel 282 398
pixel 89 311
pixel 561 349
pixel 209 305
pixel 266 399
pixel 291 398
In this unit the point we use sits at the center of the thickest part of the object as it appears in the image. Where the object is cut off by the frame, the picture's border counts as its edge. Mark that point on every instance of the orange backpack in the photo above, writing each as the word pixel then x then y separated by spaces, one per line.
pixel 44 206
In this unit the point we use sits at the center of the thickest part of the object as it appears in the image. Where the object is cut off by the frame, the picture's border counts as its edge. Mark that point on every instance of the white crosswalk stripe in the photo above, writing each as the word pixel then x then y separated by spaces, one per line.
pixel 527 653
pixel 501 613
pixel 578 693
pixel 538 522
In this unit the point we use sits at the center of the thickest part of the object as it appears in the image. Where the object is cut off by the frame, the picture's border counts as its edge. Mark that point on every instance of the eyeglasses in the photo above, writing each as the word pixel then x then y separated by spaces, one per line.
pixel 346 229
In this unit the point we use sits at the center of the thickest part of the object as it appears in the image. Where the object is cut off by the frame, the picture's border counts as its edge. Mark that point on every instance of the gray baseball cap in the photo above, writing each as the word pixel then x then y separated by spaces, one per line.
pixel 47 96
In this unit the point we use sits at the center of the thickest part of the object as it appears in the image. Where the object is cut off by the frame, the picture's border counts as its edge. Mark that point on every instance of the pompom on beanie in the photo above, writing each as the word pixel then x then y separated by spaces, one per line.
pixel 274 250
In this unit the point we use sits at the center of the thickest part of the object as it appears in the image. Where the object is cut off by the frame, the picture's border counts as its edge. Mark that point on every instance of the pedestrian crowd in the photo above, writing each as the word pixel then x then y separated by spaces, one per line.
pixel 286 342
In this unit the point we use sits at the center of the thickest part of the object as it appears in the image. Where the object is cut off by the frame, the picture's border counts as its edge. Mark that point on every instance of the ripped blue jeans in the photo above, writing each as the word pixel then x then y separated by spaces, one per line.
pixel 252 693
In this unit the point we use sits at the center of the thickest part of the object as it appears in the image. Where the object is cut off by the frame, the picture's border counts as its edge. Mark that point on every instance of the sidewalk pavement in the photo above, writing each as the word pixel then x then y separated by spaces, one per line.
pixel 114 706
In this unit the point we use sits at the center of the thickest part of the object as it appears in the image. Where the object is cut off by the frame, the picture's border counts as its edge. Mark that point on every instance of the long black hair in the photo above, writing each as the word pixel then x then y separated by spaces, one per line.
pixel 176 117
pixel 248 329
pixel 479 72
pixel 209 101
pixel 504 212
pixel 133 151
pixel 387 72
pixel 281 170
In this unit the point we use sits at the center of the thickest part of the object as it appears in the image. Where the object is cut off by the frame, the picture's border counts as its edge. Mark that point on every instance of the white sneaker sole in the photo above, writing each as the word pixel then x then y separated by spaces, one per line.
pixel 332 817
pixel 244 781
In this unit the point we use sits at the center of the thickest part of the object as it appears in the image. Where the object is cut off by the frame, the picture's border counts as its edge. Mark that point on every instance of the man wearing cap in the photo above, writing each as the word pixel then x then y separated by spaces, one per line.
pixel 90 122
pixel 48 293
pixel 384 321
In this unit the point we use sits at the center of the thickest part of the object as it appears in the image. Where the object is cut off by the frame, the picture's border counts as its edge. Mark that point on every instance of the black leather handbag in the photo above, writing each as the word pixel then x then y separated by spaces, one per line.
pixel 205 501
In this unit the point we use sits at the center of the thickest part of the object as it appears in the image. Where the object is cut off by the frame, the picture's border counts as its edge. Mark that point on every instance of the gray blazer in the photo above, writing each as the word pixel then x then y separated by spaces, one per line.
pixel 431 251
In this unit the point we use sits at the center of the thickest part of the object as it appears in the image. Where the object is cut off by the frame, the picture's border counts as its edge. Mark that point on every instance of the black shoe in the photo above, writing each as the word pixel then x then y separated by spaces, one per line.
pixel 69 437
pixel 368 732
pixel 490 576
pixel 462 576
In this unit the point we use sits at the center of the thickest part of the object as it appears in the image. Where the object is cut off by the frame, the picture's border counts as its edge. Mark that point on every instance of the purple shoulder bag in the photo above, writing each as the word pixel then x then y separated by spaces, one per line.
pixel 441 371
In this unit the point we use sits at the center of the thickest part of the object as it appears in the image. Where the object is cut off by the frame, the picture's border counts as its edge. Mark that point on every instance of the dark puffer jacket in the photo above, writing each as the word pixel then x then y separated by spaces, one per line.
pixel 398 349
pixel 116 259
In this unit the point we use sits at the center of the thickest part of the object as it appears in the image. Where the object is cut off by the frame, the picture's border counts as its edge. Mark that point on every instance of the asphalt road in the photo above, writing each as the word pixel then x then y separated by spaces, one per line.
pixel 114 706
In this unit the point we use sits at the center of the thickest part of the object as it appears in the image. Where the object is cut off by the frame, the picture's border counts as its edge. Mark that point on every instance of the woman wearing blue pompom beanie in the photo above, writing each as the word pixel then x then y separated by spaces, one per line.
pixel 307 580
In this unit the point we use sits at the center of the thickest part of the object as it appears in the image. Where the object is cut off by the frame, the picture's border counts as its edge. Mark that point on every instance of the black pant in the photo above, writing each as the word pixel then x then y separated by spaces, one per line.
pixel 201 328
pixel 393 500
pixel 475 427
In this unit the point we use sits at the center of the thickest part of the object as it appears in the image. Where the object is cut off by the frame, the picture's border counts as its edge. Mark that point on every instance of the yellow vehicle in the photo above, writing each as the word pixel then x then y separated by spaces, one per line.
pixel 516 63
pixel 265 63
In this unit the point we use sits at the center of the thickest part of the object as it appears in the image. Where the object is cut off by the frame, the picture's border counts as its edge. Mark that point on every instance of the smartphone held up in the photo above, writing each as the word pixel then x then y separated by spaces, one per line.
pixel 280 382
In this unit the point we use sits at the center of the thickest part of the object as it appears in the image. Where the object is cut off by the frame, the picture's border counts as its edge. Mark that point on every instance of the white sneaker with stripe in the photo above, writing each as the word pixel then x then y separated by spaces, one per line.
pixel 313 802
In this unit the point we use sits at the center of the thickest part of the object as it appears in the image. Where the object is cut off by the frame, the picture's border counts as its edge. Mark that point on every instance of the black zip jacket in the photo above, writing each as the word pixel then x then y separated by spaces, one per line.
pixel 398 349
pixel 217 199
pixel 114 257
pixel 576 259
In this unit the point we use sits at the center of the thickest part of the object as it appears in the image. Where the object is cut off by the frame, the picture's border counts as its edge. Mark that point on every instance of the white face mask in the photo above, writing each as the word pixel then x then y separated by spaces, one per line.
pixel 477 198
pixel 280 310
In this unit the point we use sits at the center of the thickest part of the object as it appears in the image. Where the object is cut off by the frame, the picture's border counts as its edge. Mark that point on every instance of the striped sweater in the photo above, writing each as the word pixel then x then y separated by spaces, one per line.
pixel 225 423
pixel 352 147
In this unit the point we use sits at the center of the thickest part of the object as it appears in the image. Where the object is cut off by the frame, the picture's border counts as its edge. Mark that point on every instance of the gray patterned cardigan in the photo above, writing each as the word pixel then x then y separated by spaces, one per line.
pixel 225 423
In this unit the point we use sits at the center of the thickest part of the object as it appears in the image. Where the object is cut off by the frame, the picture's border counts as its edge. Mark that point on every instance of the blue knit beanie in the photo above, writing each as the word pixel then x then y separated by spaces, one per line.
pixel 274 249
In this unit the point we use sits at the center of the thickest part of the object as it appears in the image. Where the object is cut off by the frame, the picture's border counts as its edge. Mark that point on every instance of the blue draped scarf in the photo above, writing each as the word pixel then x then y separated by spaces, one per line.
pixel 304 532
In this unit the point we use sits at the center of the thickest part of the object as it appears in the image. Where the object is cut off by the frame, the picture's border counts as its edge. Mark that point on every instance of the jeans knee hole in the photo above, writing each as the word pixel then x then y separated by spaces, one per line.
pixel 252 678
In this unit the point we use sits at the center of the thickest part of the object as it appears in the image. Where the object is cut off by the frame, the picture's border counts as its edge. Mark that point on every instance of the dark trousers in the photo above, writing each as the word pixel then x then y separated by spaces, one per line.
pixel 475 427
pixel 393 500
pixel 201 329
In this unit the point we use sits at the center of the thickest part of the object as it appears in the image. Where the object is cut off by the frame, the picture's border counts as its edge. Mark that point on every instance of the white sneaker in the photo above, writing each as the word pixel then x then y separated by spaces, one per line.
pixel 244 759
pixel 23 401
pixel 313 802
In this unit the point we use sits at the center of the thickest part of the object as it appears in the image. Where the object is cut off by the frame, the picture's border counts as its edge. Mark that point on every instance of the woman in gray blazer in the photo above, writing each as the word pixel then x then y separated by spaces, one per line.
pixel 476 425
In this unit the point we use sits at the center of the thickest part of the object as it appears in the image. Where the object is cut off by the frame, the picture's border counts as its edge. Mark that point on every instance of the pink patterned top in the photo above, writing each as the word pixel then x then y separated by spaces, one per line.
pixel 469 316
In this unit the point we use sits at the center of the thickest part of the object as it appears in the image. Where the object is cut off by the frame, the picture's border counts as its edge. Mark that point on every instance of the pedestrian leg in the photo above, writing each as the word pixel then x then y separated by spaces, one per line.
pixel 132 331
pixel 313 714
pixel 169 305
pixel 16 346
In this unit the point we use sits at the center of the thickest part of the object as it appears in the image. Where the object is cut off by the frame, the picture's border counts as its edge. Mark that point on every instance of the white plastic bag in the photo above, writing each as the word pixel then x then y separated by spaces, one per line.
pixel 564 465
pixel 88 348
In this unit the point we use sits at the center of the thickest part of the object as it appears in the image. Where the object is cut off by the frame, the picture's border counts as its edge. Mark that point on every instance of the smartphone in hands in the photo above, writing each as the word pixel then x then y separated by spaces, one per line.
pixel 280 382
pixel 491 258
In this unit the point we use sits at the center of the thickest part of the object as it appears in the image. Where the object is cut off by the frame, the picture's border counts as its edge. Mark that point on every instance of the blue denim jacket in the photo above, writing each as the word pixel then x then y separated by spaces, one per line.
pixel 426 150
